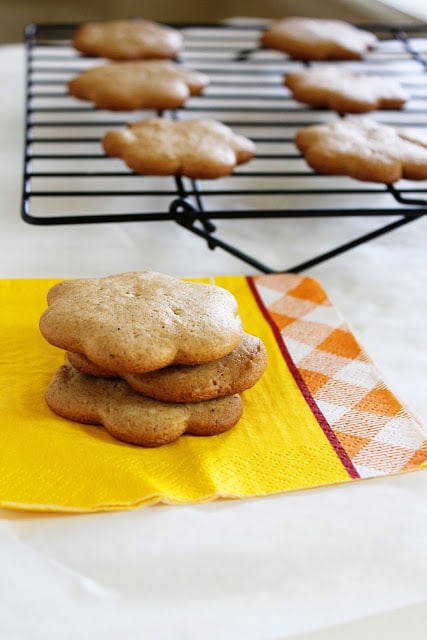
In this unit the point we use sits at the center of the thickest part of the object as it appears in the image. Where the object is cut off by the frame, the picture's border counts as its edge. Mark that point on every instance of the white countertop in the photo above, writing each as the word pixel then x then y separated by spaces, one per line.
pixel 298 563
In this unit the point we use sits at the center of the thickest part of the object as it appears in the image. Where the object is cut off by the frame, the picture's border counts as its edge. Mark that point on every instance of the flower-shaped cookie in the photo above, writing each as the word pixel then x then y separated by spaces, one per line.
pixel 318 39
pixel 234 373
pixel 198 148
pixel 149 84
pixel 127 40
pixel 134 418
pixel 364 149
pixel 343 91
pixel 141 321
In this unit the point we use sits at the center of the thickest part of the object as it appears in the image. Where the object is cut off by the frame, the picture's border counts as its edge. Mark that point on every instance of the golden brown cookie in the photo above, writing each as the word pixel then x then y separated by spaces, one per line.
pixel 141 321
pixel 147 84
pixel 318 39
pixel 234 373
pixel 127 40
pixel 199 148
pixel 359 147
pixel 343 91
pixel 133 418
pixel 83 364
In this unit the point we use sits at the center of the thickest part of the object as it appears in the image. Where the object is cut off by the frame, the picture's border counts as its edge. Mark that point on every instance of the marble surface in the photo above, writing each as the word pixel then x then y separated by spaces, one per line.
pixel 279 567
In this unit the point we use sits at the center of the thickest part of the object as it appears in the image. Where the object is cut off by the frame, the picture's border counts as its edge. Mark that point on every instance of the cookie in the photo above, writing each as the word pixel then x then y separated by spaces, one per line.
pixel 318 39
pixel 141 321
pixel 343 91
pixel 147 84
pixel 198 148
pixel 232 374
pixel 362 148
pixel 127 40
pixel 83 364
pixel 131 417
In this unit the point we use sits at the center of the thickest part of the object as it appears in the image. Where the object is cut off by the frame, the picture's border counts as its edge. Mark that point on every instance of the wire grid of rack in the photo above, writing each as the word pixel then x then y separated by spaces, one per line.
pixel 69 180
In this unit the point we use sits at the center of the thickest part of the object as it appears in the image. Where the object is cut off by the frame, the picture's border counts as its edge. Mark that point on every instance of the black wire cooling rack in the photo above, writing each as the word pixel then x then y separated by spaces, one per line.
pixel 68 179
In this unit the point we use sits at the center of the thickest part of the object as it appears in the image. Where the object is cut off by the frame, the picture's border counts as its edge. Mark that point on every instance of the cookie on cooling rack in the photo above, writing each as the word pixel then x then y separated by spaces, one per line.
pixel 132 417
pixel 234 373
pixel 343 91
pixel 360 147
pixel 318 39
pixel 197 148
pixel 146 84
pixel 141 321
pixel 127 40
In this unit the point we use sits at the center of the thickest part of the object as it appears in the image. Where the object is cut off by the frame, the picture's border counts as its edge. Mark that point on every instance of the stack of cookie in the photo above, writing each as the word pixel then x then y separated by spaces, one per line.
pixel 150 357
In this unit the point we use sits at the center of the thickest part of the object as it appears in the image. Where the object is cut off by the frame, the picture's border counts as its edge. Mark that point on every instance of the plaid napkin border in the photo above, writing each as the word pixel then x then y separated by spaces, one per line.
pixel 371 431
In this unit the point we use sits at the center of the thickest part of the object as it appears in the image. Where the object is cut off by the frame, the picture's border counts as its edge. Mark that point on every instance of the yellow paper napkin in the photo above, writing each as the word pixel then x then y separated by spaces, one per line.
pixel 293 433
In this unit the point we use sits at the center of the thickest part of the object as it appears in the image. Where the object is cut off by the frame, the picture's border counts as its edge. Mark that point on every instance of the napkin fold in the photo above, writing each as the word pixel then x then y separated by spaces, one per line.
pixel 319 415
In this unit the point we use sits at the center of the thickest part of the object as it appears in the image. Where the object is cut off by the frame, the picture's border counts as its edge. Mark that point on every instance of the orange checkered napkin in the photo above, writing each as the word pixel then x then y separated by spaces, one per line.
pixel 319 415
pixel 340 381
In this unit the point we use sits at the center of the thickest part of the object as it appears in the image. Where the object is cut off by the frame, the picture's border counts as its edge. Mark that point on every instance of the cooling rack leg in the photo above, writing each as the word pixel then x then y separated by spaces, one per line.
pixel 214 242
pixel 354 243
